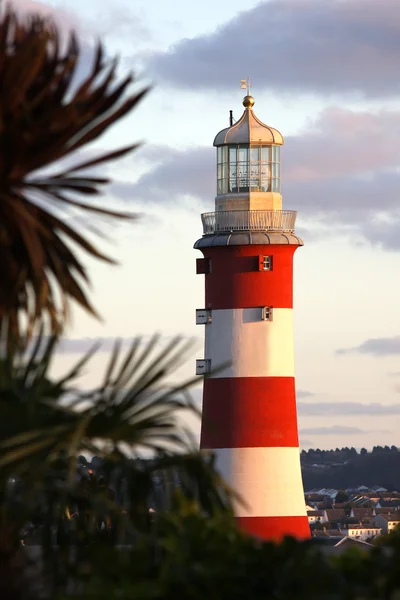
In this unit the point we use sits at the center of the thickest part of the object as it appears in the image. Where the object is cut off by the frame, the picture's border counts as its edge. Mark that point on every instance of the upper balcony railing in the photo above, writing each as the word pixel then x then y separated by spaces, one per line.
pixel 249 220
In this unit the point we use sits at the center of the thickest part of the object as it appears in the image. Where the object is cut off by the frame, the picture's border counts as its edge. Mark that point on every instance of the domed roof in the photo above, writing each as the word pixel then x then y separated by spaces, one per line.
pixel 249 129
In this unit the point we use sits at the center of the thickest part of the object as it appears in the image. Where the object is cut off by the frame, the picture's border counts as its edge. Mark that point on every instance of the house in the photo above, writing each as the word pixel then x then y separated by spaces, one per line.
pixel 363 531
pixel 387 522
pixel 315 516
pixel 334 514
pixel 335 545
pixel 348 542
pixel 329 492
pixel 321 494
pixel 362 488
pixel 385 511
pixel 327 533
pixel 392 503
pixel 313 498
pixel 361 513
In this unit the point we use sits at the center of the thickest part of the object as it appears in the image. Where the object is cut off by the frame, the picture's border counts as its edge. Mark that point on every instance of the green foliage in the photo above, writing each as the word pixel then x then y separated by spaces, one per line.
pixel 133 406
pixel 196 557
pixel 345 468
pixel 341 496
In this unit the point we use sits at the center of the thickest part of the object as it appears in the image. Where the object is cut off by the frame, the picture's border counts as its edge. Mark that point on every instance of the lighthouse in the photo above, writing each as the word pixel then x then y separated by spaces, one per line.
pixel 249 416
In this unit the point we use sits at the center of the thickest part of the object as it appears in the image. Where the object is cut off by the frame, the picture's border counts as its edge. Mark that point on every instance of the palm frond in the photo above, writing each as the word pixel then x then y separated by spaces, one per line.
pixel 42 120
pixel 134 408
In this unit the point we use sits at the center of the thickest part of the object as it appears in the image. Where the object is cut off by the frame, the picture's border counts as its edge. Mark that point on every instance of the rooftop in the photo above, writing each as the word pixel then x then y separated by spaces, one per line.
pixel 249 129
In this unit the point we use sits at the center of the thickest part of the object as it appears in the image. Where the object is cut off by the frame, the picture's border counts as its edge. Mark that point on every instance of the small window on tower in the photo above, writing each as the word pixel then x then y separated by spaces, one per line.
pixel 265 263
pixel 266 313
pixel 203 316
pixel 203 266
pixel 203 366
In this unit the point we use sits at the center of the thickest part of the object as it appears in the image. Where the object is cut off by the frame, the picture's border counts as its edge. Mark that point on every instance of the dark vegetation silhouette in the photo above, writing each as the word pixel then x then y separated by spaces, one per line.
pixel 346 468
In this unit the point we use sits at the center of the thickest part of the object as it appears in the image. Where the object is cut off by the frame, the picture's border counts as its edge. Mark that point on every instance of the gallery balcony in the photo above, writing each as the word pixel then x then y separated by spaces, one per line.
pixel 249 220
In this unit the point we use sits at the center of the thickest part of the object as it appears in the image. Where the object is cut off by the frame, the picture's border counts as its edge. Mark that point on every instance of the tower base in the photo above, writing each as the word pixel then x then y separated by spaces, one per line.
pixel 275 528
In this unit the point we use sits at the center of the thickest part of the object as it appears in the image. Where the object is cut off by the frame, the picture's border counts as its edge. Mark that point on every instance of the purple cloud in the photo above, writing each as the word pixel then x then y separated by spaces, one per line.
pixel 336 430
pixel 106 344
pixel 325 409
pixel 330 174
pixel 294 46
pixel 304 394
pixel 375 346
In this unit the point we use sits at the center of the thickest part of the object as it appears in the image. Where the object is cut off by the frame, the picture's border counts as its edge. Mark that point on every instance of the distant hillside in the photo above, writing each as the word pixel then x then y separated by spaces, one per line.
pixel 346 468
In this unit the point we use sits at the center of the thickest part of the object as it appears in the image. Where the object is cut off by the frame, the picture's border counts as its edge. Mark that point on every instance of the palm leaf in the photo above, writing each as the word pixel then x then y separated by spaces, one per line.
pixel 115 421
pixel 43 119
pixel 141 412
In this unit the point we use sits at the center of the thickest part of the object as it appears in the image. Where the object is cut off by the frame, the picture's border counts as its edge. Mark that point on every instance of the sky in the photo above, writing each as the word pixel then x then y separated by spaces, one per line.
pixel 326 74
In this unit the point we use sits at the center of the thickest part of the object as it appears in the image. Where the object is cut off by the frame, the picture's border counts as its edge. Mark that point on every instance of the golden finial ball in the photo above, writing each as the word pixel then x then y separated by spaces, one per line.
pixel 248 101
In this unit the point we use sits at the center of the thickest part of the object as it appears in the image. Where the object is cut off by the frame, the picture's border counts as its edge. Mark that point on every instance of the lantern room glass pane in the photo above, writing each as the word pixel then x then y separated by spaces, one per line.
pixel 244 168
pixel 255 154
pixel 243 154
pixel 266 153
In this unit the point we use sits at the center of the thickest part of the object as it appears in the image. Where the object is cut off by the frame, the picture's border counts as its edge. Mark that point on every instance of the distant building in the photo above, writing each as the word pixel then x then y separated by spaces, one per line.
pixel 387 522
pixel 363 532
pixel 334 514
pixel 361 513
pixel 315 516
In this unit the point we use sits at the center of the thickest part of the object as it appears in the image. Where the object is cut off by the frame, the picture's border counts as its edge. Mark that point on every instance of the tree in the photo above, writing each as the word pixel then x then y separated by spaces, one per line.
pixel 341 496
pixel 363 451
pixel 41 272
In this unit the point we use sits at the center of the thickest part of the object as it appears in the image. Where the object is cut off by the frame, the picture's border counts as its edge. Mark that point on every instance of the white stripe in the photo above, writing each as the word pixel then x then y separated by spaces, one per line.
pixel 251 347
pixel 268 480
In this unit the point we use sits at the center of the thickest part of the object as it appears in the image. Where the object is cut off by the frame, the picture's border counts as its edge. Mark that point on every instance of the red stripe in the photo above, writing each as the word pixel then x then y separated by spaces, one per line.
pixel 236 282
pixel 249 412
pixel 275 528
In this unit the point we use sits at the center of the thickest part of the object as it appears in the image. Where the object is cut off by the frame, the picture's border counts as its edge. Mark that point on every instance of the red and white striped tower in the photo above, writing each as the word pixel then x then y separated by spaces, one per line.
pixel 249 401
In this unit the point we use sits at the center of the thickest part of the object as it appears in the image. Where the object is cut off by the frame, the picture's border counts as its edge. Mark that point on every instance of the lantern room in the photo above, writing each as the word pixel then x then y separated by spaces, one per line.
pixel 248 164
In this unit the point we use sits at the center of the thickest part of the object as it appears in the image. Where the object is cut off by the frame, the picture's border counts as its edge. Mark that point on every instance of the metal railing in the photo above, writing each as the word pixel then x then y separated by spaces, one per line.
pixel 249 220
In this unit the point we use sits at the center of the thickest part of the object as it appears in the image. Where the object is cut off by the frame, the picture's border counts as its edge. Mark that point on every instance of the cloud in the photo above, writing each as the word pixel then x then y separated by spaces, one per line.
pixel 334 430
pixel 66 22
pixel 78 345
pixel 327 409
pixel 375 346
pixel 294 46
pixel 107 344
pixel 329 173
pixel 303 394
pixel 176 174
pixel 64 19
pixel 306 443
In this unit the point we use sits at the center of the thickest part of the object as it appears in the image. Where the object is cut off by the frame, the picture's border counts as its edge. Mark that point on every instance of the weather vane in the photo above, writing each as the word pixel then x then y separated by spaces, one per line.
pixel 245 85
